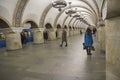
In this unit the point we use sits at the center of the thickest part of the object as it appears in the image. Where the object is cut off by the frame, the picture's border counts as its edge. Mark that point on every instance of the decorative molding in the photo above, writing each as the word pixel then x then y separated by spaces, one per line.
pixel 98 10
pixel 76 23
pixel 19 12
pixel 70 22
pixel 45 12
pixel 65 20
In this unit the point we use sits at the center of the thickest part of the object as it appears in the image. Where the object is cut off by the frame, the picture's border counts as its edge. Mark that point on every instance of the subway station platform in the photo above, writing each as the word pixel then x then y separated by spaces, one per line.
pixel 49 61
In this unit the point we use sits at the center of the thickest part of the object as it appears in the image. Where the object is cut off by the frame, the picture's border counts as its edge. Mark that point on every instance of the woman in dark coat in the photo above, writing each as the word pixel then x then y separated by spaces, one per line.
pixel 88 41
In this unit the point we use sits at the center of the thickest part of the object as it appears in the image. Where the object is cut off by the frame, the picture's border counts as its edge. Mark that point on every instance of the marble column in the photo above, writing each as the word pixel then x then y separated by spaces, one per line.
pixel 70 32
pixel 101 38
pixel 51 35
pixel 78 31
pixel 73 32
pixel 38 37
pixel 113 44
pixel 67 32
pixel 13 41
pixel 59 33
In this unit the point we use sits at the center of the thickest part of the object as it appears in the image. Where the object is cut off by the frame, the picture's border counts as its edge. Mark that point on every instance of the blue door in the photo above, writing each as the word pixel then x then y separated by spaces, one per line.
pixel 29 35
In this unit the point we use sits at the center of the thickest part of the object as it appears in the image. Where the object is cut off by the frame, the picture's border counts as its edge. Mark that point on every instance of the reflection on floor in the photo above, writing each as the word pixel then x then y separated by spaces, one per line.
pixel 51 62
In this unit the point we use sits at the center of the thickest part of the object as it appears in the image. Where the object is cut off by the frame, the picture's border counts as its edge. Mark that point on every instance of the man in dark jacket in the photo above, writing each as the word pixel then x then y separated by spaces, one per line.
pixel 64 37
pixel 45 34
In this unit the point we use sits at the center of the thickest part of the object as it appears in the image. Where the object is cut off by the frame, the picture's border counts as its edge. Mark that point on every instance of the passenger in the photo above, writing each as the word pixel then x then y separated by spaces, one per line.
pixel 81 32
pixel 88 41
pixel 23 38
pixel 64 37
pixel 45 34
pixel 94 31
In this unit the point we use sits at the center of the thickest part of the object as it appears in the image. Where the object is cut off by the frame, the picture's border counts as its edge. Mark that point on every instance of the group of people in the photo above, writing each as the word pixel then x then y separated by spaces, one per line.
pixel 88 38
pixel 64 37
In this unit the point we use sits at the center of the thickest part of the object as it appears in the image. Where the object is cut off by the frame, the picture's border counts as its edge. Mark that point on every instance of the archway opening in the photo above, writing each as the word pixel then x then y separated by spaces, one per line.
pixel 48 26
pixel 58 26
pixel 27 32
pixel 33 24
pixel 3 25
pixel 65 27
pixel 73 28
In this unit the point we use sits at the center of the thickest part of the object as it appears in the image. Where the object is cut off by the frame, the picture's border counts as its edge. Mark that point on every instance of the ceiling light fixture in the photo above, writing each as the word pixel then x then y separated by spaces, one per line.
pixel 70 11
pixel 59 4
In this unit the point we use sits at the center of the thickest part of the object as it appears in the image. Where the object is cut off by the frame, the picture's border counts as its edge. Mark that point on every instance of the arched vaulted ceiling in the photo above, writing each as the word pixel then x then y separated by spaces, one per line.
pixel 86 13
pixel 16 12
pixel 59 14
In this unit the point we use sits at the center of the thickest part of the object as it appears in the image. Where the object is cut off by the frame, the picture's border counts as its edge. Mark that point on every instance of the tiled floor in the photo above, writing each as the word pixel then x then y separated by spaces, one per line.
pixel 51 62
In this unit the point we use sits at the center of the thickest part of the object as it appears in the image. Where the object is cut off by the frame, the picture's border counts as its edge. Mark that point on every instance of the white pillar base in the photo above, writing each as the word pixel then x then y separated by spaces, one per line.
pixel 51 35
pixel 13 41
pixel 59 34
pixel 38 37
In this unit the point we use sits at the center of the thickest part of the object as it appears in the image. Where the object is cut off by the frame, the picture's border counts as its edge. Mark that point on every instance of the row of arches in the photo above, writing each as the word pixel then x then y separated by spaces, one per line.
pixel 29 32
pixel 89 10
pixel 4 24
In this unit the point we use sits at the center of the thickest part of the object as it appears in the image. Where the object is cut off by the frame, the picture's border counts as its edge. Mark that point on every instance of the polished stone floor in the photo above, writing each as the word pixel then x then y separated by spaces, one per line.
pixel 49 61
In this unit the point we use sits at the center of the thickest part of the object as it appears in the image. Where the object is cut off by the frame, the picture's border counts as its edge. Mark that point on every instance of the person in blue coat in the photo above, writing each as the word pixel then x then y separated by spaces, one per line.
pixel 88 41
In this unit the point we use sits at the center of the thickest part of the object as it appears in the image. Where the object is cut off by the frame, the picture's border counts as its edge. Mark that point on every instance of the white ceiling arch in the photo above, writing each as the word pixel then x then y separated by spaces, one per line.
pixel 7 8
pixel 56 19
pixel 39 9
pixel 45 12
pixel 86 13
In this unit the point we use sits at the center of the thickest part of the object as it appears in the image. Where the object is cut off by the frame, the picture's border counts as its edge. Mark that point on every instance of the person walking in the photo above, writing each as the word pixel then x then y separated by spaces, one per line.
pixel 64 37
pixel 88 41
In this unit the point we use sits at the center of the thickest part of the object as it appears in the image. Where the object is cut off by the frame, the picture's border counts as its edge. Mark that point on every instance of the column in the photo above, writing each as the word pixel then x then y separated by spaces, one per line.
pixel 113 44
pixel 38 35
pixel 73 32
pixel 67 32
pixel 101 38
pixel 70 32
pixel 13 41
pixel 59 32
pixel 51 35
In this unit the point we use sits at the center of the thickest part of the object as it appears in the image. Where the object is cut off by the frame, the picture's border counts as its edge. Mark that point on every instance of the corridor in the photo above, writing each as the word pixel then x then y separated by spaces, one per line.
pixel 50 62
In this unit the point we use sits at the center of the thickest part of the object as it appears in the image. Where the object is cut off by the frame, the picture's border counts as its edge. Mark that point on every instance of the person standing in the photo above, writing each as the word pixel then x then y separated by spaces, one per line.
pixel 23 38
pixel 45 34
pixel 88 41
pixel 64 37
pixel 94 31
pixel 81 32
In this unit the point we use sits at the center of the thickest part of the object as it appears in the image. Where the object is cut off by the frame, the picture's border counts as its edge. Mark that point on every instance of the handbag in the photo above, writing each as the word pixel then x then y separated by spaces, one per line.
pixel 92 48
pixel 84 47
